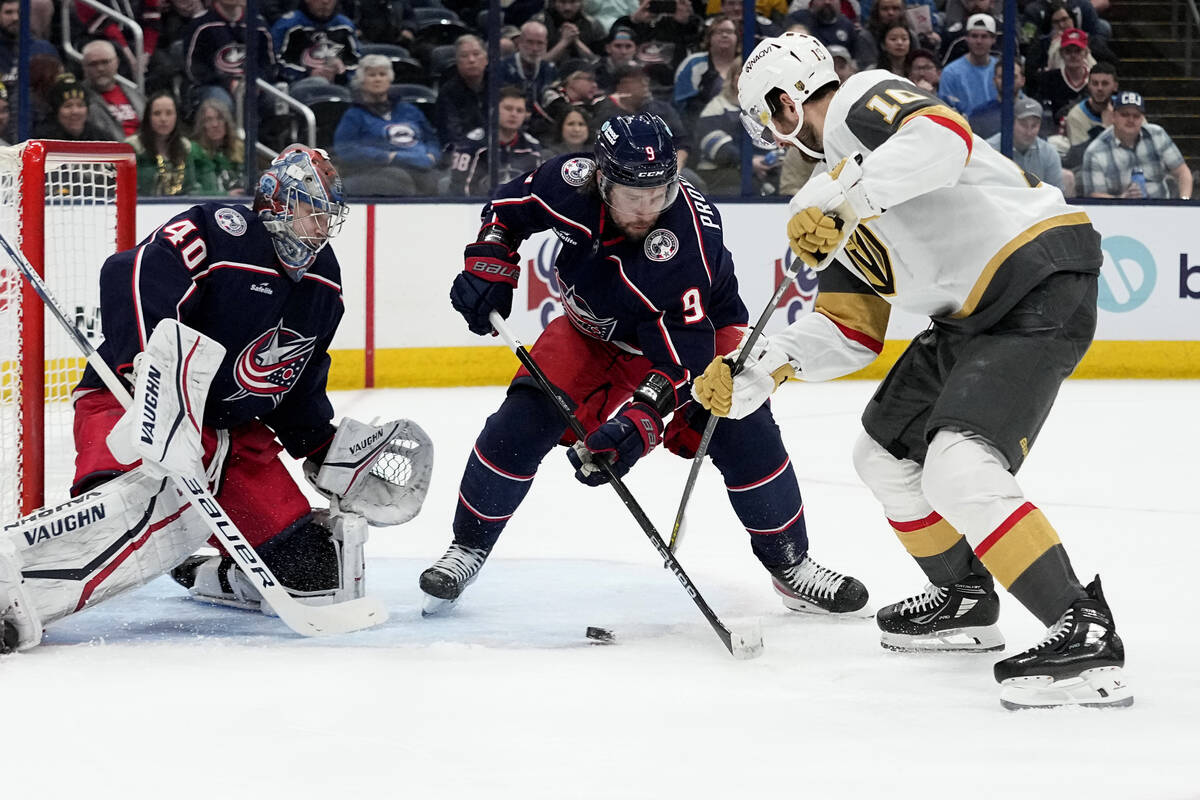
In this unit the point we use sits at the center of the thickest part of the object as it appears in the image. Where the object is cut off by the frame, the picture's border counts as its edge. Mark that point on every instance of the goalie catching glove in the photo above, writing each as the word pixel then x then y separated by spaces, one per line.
pixel 380 472
pixel 826 210
pixel 738 396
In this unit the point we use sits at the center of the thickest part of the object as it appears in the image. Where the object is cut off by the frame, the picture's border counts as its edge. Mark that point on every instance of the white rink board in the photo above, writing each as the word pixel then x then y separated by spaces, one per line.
pixel 418 250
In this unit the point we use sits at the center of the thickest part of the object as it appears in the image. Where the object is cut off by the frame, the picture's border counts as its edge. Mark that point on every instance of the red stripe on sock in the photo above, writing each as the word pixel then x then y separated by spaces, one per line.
pixel 916 524
pixel 1004 528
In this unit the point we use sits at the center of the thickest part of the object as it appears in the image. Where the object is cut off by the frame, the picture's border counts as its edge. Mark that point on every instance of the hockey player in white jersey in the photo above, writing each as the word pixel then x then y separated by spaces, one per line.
pixel 934 222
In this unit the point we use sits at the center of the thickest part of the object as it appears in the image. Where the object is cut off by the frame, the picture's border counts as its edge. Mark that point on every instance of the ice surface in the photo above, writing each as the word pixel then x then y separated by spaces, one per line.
pixel 153 695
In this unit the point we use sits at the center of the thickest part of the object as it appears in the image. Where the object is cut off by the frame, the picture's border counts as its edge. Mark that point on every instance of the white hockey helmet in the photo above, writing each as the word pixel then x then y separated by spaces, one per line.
pixel 796 63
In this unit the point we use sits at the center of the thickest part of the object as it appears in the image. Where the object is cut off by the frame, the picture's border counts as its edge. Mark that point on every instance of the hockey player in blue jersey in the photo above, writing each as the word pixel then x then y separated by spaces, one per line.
pixel 264 286
pixel 649 296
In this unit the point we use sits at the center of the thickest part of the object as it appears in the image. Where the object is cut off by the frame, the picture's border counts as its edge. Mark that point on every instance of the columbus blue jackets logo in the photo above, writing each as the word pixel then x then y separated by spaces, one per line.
pixel 231 59
pixel 401 134
pixel 576 171
pixel 661 245
pixel 272 363
pixel 321 51
pixel 582 316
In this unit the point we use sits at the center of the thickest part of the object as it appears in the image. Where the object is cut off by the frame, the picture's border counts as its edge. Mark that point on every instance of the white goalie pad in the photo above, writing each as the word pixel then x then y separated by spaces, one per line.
pixel 116 537
pixel 162 427
pixel 380 472
pixel 234 589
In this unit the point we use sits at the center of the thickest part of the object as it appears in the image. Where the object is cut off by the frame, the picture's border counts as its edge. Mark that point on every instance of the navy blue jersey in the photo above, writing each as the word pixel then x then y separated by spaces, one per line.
pixel 663 297
pixel 214 269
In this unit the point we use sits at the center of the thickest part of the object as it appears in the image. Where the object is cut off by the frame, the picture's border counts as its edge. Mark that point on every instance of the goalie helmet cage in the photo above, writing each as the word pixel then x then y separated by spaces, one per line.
pixel 67 206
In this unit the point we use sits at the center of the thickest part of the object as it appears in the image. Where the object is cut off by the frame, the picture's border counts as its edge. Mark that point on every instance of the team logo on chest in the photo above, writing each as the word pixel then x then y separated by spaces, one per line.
pixel 661 245
pixel 272 363
pixel 585 320
pixel 576 171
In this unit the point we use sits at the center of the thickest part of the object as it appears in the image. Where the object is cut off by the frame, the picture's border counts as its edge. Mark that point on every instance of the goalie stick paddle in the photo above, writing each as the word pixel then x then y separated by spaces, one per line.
pixel 740 645
pixel 306 620
pixel 789 275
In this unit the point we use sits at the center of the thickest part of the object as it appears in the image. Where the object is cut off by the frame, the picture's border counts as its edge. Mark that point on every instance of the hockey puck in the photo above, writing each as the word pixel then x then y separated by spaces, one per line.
pixel 600 635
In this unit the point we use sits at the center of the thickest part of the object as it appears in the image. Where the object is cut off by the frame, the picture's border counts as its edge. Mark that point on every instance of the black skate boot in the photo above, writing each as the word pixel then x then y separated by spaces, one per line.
pixel 1078 663
pixel 449 576
pixel 807 586
pixel 959 617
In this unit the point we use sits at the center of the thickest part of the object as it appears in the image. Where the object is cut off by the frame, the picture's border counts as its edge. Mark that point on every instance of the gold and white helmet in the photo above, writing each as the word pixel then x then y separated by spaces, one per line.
pixel 796 63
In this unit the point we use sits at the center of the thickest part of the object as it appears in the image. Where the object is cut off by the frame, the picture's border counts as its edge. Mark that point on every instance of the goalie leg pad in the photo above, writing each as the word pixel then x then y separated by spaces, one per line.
pixel 113 538
pixel 320 562
pixel 20 626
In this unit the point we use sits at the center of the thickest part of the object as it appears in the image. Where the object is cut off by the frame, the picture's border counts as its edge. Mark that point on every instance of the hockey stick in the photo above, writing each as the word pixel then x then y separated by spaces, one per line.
pixel 303 619
pixel 741 646
pixel 789 275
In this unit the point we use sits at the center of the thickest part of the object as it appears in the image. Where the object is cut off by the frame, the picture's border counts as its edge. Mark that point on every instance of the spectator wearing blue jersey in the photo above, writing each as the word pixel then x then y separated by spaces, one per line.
pixel 316 41
pixel 384 146
pixel 967 81
pixel 702 75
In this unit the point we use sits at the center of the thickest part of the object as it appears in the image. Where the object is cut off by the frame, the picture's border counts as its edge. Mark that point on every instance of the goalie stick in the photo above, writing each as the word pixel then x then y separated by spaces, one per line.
pixel 740 646
pixel 303 619
pixel 789 275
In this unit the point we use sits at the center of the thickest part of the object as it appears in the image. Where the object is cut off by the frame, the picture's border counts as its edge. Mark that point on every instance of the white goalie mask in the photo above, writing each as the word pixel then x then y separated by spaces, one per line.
pixel 797 64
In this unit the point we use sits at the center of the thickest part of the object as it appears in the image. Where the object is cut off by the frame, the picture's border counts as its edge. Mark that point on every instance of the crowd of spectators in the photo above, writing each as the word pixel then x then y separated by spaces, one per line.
pixel 399 87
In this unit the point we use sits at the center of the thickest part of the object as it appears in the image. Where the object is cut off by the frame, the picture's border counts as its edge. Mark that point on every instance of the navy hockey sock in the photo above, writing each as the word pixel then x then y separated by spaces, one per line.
pixel 502 464
pixel 762 486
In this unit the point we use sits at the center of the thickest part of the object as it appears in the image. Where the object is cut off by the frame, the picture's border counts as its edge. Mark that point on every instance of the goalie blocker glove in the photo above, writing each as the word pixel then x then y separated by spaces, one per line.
pixel 632 433
pixel 490 273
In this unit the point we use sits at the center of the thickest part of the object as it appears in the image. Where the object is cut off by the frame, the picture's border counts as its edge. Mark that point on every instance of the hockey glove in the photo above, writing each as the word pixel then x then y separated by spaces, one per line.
pixel 826 209
pixel 737 396
pixel 632 433
pixel 486 284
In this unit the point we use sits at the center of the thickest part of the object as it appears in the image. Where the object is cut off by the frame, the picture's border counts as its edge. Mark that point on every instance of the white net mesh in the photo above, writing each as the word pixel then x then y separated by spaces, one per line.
pixel 79 232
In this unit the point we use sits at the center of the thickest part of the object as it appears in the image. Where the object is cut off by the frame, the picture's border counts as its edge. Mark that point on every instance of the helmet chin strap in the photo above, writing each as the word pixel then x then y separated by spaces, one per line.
pixel 791 138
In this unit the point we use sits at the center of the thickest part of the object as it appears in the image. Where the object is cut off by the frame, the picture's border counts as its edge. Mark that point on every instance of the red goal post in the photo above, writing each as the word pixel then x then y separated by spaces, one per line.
pixel 67 206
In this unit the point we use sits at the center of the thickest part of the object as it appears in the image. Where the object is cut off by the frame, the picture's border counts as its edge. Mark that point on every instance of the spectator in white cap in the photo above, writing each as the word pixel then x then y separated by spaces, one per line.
pixel 967 81
pixel 1032 154
pixel 1133 153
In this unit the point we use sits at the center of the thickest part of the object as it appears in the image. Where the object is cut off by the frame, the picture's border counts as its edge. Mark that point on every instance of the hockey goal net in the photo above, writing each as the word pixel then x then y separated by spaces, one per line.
pixel 67 206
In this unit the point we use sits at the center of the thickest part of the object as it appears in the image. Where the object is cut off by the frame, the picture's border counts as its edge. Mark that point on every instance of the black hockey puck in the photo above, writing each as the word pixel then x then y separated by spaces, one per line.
pixel 600 635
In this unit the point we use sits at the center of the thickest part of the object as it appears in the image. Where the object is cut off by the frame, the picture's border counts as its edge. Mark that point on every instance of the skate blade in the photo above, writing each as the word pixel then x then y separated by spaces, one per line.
pixel 432 606
pixel 230 602
pixel 1101 687
pixel 986 639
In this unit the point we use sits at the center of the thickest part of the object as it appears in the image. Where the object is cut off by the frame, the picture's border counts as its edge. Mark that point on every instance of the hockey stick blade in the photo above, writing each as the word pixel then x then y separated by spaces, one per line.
pixel 747 644
pixel 304 619
pixel 639 515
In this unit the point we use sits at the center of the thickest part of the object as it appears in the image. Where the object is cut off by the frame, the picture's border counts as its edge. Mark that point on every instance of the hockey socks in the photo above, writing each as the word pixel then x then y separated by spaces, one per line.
pixel 502 464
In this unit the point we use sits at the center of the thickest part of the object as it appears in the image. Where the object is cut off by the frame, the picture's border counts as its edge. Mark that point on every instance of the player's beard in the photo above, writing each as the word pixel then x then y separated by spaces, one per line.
pixel 811 139
pixel 635 228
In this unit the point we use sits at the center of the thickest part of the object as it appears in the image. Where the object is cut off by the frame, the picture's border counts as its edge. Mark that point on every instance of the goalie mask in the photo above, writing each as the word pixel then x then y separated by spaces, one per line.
pixel 796 64
pixel 299 199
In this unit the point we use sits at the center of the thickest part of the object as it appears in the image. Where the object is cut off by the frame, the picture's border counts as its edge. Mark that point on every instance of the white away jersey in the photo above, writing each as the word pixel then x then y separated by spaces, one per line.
pixel 955 241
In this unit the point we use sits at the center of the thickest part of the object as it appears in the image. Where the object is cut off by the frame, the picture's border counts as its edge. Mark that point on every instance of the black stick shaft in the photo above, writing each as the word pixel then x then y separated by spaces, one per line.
pixel 618 485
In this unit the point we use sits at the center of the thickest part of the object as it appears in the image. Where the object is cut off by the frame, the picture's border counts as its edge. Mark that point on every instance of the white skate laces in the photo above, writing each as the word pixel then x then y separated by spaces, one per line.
pixel 461 562
pixel 930 598
pixel 811 579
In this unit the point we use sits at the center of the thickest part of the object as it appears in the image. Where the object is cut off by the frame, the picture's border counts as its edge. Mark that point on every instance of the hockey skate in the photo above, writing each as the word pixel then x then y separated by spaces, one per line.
pixel 956 618
pixel 445 581
pixel 807 586
pixel 1078 663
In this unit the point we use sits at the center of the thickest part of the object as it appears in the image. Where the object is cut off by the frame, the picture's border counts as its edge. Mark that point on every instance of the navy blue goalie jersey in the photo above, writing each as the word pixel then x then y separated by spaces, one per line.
pixel 663 297
pixel 214 269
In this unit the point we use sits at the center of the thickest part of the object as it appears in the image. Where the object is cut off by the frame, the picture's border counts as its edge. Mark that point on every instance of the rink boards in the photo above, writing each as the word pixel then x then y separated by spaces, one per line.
pixel 399 330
